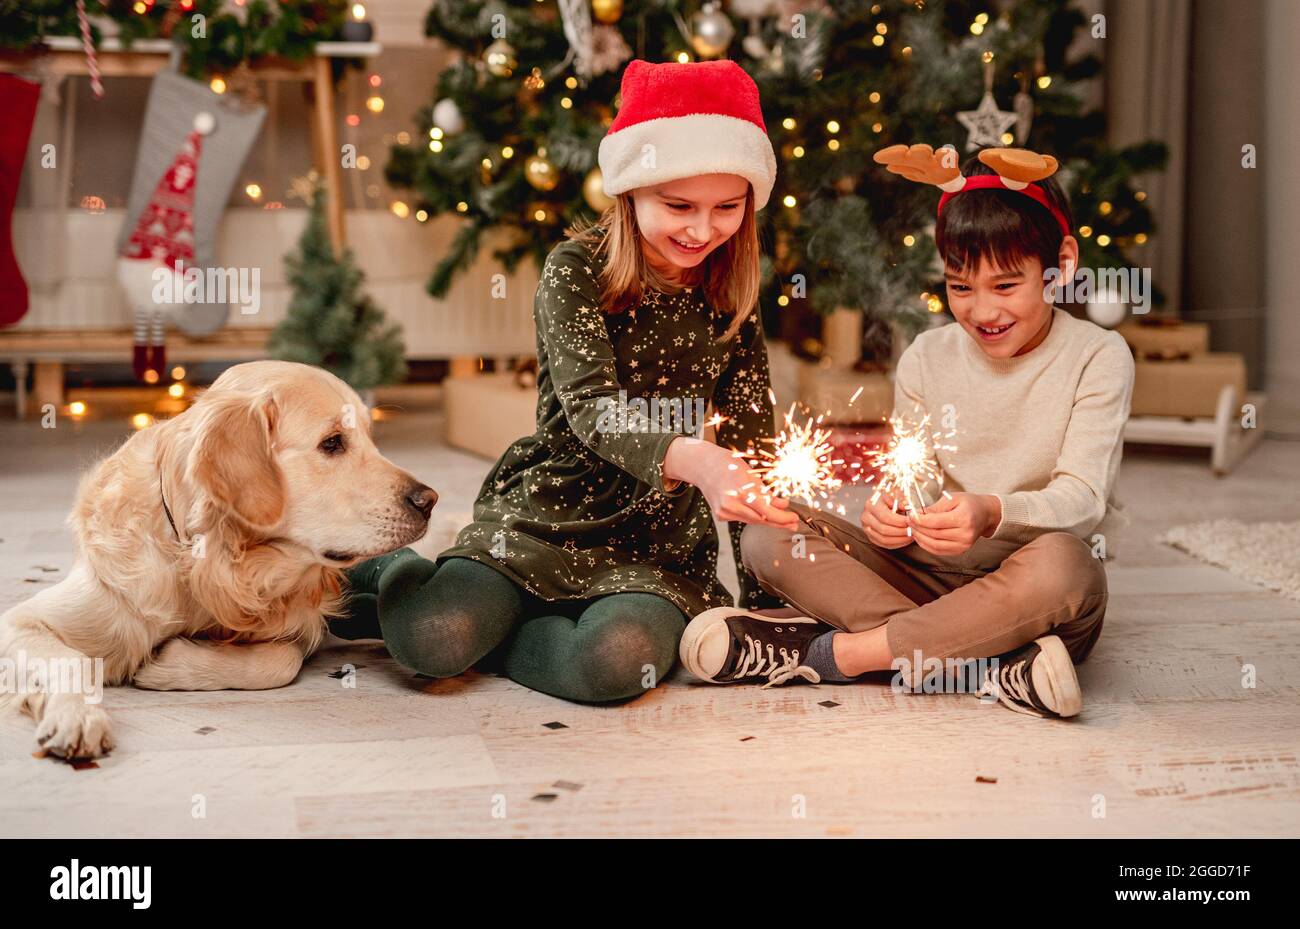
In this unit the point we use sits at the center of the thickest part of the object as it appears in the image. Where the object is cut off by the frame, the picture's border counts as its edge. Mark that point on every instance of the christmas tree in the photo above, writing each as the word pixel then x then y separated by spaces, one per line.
pixel 511 138
pixel 330 323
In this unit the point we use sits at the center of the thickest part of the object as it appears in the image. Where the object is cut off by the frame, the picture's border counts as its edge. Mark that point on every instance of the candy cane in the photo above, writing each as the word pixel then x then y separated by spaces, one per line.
pixel 92 62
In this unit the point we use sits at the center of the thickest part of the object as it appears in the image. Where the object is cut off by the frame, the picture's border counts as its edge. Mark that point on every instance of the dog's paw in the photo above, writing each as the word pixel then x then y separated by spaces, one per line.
pixel 74 729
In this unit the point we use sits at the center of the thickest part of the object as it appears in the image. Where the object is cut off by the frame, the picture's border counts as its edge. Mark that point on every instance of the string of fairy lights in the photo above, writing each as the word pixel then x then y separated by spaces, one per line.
pixel 794 140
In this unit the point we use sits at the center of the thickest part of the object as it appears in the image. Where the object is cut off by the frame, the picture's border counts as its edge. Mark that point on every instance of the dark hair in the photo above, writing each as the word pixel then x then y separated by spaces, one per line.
pixel 1003 226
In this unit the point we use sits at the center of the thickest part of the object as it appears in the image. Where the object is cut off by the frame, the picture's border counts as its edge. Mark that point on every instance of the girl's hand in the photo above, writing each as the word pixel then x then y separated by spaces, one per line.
pixel 732 490
pixel 952 525
pixel 884 526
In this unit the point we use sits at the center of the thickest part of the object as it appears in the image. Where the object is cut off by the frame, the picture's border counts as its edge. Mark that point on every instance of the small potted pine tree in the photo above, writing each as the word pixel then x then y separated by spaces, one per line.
pixel 331 323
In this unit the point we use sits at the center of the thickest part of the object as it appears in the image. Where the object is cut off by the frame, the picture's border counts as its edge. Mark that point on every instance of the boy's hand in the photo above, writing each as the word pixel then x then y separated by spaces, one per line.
pixel 952 525
pixel 884 526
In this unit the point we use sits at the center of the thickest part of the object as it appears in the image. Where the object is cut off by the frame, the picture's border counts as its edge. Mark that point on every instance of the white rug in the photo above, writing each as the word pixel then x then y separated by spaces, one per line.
pixel 1267 554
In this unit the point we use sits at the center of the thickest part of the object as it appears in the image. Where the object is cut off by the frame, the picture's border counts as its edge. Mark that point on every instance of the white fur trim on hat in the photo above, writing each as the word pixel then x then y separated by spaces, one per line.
pixel 671 148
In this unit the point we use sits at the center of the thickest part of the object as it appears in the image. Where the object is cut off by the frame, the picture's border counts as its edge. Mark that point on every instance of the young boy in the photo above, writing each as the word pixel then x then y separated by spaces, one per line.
pixel 1002 564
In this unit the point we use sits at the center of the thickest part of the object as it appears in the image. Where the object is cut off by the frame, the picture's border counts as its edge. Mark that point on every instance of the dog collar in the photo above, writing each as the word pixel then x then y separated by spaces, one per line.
pixel 162 496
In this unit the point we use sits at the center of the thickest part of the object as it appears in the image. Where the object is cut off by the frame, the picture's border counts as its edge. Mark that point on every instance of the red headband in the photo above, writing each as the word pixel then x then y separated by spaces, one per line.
pixel 994 182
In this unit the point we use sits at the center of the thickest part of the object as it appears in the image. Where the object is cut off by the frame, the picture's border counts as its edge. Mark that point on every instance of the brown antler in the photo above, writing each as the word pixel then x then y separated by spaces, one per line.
pixel 1019 165
pixel 923 164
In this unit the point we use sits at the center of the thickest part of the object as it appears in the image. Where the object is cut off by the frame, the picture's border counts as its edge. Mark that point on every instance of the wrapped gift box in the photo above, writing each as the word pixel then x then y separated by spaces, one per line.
pixel 829 392
pixel 1163 338
pixel 487 412
pixel 1187 388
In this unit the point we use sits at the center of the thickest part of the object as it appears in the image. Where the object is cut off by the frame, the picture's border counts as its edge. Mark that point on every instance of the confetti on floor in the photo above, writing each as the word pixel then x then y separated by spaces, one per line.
pixel 545 798
pixel 204 730
pixel 566 785
pixel 981 779
pixel 340 673
pixel 555 725
pixel 828 704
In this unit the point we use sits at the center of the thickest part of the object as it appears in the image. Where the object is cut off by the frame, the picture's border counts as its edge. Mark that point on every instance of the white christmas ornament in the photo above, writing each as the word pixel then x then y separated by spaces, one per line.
pixel 447 116
pixel 608 50
pixel 712 31
pixel 204 123
pixel 986 124
pixel 1107 310
pixel 754 11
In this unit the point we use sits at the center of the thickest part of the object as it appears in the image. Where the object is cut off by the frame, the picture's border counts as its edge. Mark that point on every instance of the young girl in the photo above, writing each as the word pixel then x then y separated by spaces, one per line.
pixel 998 566
pixel 593 539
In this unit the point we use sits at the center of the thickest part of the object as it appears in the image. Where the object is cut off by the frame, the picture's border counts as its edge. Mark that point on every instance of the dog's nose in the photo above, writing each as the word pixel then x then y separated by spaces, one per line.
pixel 421 499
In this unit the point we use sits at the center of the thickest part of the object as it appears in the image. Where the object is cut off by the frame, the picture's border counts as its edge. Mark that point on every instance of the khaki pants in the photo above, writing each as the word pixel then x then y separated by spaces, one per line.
pixel 1052 585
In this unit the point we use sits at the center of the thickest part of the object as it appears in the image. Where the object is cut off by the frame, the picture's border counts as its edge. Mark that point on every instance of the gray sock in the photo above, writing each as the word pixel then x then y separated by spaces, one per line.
pixel 821 658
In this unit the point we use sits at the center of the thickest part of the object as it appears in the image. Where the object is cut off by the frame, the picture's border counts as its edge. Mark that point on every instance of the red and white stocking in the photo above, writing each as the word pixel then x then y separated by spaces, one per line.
pixel 160 246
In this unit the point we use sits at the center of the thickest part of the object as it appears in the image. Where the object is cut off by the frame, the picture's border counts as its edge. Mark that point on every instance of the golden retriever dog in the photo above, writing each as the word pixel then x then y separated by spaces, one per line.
pixel 210 549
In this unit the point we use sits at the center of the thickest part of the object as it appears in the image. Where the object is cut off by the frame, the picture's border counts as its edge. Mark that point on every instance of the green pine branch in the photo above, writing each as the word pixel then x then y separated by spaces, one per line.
pixel 330 323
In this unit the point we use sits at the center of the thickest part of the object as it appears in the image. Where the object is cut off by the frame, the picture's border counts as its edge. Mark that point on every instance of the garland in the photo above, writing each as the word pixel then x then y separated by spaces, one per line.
pixel 215 37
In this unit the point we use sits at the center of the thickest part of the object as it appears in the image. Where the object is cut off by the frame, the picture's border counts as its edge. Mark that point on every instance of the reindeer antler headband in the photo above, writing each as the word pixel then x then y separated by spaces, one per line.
pixel 1016 168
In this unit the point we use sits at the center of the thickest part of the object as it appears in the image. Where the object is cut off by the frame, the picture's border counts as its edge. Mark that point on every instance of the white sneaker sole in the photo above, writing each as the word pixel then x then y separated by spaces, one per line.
pixel 1055 678
pixel 696 637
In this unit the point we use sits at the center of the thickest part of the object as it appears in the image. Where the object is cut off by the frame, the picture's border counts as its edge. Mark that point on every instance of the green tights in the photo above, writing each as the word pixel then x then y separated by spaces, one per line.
pixel 440 620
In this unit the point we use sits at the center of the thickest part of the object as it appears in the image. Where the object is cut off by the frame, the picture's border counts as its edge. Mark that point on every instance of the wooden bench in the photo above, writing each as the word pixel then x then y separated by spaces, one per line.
pixel 48 350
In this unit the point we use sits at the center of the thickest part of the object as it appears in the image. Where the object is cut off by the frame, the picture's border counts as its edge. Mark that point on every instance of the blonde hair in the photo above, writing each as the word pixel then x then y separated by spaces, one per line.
pixel 729 276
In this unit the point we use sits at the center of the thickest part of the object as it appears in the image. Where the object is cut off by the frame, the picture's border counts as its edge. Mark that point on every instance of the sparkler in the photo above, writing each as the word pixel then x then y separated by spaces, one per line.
pixel 907 462
pixel 799 463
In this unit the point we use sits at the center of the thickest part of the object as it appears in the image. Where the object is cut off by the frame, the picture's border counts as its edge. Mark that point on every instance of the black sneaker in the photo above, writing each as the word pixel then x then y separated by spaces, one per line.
pixel 728 646
pixel 1037 680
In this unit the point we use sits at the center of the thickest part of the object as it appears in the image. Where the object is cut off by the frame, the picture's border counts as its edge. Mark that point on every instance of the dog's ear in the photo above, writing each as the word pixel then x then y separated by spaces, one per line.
pixel 233 459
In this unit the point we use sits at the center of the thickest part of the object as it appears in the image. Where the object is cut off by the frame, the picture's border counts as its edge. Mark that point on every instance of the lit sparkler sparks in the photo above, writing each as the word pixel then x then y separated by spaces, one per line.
pixel 799 463
pixel 907 463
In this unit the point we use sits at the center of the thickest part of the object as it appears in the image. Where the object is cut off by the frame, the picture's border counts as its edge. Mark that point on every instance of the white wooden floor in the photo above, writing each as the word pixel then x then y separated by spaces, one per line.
pixel 1170 743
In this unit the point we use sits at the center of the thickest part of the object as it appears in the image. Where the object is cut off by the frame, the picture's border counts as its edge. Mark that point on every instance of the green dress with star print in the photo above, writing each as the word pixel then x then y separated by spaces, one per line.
pixel 579 509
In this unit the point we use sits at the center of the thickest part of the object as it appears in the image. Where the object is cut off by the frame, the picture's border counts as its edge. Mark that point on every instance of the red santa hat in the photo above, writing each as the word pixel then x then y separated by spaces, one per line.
pixel 164 233
pixel 679 120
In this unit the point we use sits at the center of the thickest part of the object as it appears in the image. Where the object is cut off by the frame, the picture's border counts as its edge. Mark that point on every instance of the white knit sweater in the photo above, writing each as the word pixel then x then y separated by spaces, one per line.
pixel 1041 431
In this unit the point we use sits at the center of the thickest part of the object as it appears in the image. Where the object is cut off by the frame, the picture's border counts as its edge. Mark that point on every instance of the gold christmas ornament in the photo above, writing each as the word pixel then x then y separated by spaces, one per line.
pixel 711 31
pixel 593 191
pixel 534 82
pixel 540 172
pixel 607 11
pixel 500 58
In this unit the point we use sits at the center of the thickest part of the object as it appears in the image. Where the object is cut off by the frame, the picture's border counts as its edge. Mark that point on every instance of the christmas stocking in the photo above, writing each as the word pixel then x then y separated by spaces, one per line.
pixel 174 103
pixel 18 104
pixel 158 251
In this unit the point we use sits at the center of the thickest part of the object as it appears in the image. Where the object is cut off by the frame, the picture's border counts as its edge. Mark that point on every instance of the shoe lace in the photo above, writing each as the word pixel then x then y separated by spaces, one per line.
pixel 754 663
pixel 1011 686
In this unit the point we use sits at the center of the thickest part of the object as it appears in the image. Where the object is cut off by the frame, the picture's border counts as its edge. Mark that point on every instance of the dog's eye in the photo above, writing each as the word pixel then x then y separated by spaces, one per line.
pixel 333 445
